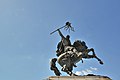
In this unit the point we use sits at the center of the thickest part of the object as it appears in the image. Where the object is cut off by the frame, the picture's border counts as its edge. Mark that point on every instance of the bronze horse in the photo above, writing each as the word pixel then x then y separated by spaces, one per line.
pixel 72 55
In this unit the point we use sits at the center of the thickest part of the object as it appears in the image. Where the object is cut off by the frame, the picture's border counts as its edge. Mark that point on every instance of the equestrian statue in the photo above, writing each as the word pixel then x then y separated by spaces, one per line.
pixel 69 54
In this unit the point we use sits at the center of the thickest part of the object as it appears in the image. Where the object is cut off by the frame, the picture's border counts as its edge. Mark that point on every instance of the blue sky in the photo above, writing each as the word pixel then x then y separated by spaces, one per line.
pixel 26 45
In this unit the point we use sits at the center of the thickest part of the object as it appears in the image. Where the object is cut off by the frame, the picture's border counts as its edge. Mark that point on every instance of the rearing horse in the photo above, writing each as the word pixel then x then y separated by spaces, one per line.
pixel 74 54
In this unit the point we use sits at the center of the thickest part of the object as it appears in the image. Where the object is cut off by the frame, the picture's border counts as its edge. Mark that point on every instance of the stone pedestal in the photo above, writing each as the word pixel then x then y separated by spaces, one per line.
pixel 96 77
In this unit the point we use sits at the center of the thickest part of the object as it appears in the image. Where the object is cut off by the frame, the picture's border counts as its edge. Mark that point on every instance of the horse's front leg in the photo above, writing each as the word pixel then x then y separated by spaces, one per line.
pixel 92 51
pixel 86 55
pixel 94 56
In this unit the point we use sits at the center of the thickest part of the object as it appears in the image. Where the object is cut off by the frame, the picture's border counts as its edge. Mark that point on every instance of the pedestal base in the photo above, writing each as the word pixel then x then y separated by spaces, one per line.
pixel 95 77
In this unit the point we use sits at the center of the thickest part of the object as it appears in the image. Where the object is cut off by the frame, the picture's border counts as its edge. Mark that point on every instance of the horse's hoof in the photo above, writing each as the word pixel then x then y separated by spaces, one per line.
pixel 73 74
pixel 101 62
pixel 74 65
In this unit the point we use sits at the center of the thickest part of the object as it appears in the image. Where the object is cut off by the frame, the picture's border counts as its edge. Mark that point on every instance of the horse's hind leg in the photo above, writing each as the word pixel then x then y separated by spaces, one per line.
pixel 68 70
pixel 94 56
pixel 100 61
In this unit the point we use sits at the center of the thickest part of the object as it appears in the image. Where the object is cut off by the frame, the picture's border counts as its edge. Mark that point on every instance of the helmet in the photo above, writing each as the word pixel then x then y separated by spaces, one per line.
pixel 68 36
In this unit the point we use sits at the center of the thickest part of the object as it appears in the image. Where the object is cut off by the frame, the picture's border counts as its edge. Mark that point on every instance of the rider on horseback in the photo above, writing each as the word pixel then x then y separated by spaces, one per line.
pixel 68 55
pixel 65 41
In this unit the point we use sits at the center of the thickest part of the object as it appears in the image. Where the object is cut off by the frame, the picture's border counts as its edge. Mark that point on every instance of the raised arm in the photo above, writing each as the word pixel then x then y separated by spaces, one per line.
pixel 60 33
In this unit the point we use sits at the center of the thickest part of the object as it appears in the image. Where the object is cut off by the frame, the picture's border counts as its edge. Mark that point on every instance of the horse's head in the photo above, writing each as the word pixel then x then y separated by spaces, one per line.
pixel 80 45
pixel 77 43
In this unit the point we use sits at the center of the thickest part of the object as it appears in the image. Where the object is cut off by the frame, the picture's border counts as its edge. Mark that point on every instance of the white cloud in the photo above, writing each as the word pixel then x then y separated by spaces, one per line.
pixel 86 71
pixel 93 68
pixel 78 73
